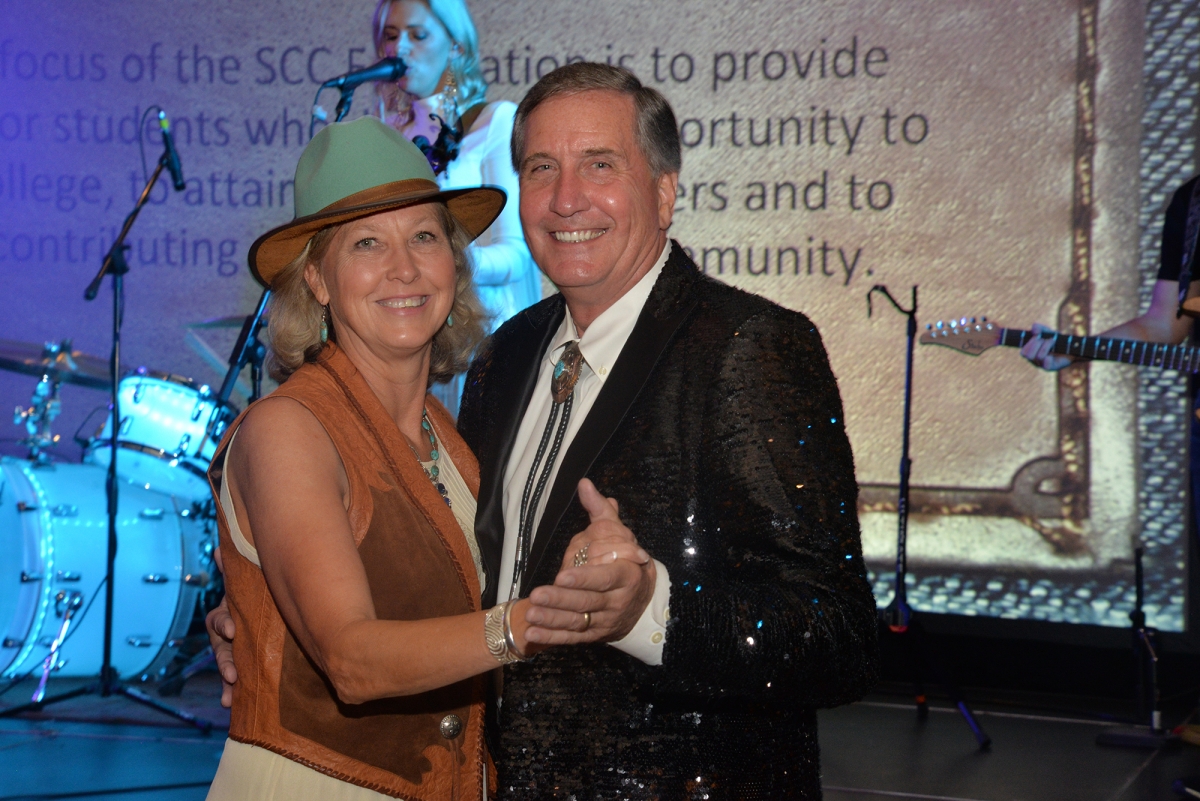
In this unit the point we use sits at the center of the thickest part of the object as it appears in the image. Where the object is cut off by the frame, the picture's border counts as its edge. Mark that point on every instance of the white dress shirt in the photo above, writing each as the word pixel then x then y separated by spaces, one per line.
pixel 600 345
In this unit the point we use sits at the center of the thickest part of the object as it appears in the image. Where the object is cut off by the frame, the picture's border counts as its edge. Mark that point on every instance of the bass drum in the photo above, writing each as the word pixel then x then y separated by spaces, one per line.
pixel 53 548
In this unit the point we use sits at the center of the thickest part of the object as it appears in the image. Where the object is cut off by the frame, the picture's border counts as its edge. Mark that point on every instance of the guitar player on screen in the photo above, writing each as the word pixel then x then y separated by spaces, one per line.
pixel 1166 320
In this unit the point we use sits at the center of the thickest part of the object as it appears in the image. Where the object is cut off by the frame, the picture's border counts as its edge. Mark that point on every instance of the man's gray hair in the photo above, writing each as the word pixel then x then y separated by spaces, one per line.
pixel 656 132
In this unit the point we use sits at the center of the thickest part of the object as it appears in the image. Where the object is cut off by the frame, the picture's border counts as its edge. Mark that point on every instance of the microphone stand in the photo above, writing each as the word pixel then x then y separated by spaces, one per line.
pixel 345 100
pixel 248 350
pixel 109 682
pixel 387 69
pixel 900 618
pixel 344 103
pixel 1146 650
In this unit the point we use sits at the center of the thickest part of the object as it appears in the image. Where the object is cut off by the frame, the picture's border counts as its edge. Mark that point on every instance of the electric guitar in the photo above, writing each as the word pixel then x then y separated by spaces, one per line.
pixel 973 336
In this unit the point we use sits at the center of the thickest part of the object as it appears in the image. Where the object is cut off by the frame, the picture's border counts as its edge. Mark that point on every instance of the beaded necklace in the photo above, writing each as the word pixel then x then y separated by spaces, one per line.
pixel 432 471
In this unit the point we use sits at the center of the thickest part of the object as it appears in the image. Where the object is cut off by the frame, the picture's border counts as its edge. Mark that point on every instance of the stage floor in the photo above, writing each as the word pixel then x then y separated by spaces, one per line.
pixel 873 750
pixel 877 749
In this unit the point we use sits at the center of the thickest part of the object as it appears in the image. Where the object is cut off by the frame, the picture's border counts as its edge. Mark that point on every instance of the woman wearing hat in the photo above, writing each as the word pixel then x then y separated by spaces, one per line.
pixel 440 103
pixel 346 497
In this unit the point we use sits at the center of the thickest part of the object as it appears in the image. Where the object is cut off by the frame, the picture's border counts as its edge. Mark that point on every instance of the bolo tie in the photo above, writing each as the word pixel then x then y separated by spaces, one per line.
pixel 562 390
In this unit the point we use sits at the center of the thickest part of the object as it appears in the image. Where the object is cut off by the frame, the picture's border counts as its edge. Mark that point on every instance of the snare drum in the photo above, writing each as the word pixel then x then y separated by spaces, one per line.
pixel 167 434
pixel 54 540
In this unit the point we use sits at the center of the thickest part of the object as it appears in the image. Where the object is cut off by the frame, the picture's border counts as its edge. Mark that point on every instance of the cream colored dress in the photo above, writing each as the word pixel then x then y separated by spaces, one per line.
pixel 248 772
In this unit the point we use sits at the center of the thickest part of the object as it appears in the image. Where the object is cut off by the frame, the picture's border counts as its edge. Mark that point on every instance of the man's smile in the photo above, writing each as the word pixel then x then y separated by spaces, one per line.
pixel 577 236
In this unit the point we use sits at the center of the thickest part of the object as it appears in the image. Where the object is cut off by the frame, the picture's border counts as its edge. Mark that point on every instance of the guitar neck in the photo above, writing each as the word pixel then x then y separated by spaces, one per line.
pixel 1107 349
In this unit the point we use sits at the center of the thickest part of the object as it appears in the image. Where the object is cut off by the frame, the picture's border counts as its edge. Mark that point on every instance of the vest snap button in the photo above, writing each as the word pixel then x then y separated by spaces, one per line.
pixel 451 726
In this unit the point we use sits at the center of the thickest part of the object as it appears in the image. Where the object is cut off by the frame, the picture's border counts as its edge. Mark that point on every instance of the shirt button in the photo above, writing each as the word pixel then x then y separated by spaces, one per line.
pixel 603 371
pixel 656 637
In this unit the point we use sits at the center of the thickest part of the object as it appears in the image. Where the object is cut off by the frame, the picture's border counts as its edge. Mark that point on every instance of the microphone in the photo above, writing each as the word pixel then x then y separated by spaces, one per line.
pixel 388 69
pixel 171 156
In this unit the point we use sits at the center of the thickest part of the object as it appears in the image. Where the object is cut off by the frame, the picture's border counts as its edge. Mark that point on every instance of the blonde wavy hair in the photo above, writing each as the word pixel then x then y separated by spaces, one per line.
pixel 294 315
pixel 468 74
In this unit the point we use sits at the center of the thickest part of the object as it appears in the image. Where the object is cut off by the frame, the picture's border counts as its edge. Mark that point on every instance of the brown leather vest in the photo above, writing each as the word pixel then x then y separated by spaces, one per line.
pixel 418 566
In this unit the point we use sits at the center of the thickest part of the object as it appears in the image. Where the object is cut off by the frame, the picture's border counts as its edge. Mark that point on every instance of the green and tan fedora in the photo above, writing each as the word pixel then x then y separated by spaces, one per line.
pixel 354 169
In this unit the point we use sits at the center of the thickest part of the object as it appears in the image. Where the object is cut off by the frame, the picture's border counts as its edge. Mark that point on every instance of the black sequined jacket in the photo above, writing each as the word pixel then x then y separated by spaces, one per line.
pixel 720 433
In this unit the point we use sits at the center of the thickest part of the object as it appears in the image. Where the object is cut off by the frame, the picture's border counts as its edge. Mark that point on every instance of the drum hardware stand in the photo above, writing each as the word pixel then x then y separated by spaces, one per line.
pixel 45 407
pixel 68 604
pixel 85 442
pixel 1145 652
pixel 109 682
pixel 900 618
pixel 174 685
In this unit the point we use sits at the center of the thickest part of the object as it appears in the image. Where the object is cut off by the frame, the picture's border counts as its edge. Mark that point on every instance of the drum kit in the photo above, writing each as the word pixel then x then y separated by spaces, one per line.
pixel 53 520
pixel 135 519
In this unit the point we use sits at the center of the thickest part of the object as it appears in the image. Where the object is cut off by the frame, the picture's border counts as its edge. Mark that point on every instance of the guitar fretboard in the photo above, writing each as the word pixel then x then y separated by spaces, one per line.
pixel 1129 351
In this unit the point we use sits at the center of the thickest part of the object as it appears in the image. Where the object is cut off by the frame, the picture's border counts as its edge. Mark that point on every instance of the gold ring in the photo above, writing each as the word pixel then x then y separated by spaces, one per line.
pixel 581 555
pixel 587 620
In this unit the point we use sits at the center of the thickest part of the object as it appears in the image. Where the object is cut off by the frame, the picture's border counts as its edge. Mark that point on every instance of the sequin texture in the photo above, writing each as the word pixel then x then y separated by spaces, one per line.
pixel 753 526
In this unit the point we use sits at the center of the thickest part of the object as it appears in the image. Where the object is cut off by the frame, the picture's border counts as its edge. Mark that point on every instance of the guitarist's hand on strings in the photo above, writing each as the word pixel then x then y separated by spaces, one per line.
pixel 1037 350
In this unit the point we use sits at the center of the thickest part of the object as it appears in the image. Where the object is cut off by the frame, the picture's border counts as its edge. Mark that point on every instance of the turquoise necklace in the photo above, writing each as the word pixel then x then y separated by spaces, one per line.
pixel 432 471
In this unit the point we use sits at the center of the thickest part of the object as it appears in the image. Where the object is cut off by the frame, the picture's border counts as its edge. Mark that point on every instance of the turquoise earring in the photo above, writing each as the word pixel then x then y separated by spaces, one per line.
pixel 450 320
pixel 324 325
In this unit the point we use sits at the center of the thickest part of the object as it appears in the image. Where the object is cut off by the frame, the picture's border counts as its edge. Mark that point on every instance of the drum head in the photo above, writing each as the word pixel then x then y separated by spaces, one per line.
pixel 53 526
pixel 166 436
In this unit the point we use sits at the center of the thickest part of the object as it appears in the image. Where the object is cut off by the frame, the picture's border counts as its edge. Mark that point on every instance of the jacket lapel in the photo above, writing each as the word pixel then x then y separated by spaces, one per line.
pixel 536 327
pixel 668 306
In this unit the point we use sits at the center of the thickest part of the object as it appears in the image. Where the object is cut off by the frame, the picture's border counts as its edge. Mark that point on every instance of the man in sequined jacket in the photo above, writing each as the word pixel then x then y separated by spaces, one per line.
pixel 712 418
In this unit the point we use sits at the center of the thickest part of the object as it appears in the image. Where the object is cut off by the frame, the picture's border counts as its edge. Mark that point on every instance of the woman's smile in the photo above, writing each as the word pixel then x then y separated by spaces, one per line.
pixel 410 302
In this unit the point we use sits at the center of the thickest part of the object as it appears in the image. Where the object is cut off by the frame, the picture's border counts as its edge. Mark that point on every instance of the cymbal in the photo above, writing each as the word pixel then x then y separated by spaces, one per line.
pixel 74 367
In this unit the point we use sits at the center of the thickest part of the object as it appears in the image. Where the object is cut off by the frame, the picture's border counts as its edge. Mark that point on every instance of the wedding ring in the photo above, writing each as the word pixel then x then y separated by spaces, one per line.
pixel 587 620
pixel 581 555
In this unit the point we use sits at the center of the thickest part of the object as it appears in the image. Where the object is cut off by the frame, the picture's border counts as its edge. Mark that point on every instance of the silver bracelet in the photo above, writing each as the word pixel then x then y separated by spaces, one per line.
pixel 509 640
pixel 493 634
